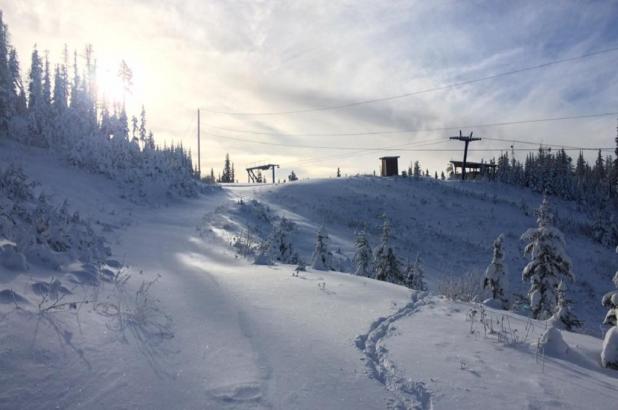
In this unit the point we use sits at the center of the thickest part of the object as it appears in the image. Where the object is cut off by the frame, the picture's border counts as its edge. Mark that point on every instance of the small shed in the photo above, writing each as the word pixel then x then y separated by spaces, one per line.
pixel 389 166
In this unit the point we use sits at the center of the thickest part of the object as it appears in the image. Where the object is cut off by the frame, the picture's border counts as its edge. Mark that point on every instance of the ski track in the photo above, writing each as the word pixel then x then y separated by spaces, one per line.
pixel 407 394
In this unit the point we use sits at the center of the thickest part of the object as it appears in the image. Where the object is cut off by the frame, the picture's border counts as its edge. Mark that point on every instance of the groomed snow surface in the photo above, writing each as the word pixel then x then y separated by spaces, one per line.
pixel 211 330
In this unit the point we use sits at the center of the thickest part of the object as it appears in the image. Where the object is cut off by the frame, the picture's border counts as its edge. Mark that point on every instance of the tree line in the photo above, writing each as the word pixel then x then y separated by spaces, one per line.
pixel 57 106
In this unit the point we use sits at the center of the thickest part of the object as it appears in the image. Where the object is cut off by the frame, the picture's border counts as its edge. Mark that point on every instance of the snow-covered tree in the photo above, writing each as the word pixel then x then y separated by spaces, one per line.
pixel 549 263
pixel 417 170
pixel 363 257
pixel 609 354
pixel 322 257
pixel 386 264
pixel 564 318
pixel 227 175
pixel 496 273
pixel 281 246
pixel 414 276
pixel 5 79
pixel 292 176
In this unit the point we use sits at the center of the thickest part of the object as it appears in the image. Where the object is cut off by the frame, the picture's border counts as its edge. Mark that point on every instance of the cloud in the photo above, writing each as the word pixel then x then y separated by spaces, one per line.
pixel 280 56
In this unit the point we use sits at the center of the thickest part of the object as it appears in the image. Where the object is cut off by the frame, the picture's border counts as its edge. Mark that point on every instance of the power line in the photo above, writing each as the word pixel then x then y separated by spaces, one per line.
pixel 331 147
pixel 418 130
pixel 418 92
pixel 343 148
pixel 392 148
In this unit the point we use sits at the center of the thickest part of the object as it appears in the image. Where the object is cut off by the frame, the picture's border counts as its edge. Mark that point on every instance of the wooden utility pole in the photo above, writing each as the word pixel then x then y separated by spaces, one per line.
pixel 199 156
pixel 467 140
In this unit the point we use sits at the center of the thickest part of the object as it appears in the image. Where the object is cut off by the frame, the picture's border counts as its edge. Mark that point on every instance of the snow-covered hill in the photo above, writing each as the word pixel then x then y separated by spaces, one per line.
pixel 449 224
pixel 188 323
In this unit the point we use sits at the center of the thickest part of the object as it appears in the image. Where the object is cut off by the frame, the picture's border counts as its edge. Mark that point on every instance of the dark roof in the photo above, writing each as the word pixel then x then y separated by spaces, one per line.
pixel 473 164
pixel 390 157
pixel 264 167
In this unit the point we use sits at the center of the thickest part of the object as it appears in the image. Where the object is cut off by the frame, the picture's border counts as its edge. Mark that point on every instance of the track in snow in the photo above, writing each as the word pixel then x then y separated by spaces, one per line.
pixel 408 394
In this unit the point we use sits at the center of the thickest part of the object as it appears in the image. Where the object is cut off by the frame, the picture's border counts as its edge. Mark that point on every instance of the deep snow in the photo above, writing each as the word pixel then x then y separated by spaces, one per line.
pixel 215 331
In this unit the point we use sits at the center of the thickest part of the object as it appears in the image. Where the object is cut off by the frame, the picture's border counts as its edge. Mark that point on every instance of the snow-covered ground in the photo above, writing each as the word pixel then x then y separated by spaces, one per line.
pixel 211 330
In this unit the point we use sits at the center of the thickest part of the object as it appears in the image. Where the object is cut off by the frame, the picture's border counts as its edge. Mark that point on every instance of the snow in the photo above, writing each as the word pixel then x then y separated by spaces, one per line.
pixel 184 321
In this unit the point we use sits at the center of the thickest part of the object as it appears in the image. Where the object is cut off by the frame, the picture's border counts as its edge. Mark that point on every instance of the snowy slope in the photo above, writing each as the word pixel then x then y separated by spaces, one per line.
pixel 215 331
pixel 449 224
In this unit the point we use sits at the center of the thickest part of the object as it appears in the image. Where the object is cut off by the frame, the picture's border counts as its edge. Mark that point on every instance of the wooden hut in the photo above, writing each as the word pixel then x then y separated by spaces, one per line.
pixel 389 166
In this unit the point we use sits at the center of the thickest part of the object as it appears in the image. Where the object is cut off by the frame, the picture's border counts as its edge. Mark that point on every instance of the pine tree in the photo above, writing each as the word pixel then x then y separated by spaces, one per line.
pixel 134 129
pixel 226 176
pixel 5 79
pixel 548 264
pixel 143 137
pixel 609 353
pixel 496 273
pixel 338 173
pixel 292 176
pixel 417 170
pixel 415 275
pixel 442 176
pixel 322 257
pixel 563 317
pixel 363 257
pixel 36 110
pixel 280 243
pixel 386 264
pixel 18 104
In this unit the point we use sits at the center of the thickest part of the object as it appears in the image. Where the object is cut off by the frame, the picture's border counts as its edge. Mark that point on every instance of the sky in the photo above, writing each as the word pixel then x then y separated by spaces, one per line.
pixel 267 57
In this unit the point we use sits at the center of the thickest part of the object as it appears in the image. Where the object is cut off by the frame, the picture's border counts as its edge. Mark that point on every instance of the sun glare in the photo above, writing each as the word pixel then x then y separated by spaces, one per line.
pixel 111 88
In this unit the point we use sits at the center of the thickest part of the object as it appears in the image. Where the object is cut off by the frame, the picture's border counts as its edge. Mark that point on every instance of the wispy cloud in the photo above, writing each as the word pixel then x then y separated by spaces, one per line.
pixel 281 55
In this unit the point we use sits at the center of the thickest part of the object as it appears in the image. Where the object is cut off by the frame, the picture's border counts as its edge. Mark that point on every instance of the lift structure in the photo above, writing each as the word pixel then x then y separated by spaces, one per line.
pixel 252 177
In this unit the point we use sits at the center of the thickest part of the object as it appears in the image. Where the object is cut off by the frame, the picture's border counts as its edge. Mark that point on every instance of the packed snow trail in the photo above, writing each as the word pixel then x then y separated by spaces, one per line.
pixel 408 394
pixel 246 336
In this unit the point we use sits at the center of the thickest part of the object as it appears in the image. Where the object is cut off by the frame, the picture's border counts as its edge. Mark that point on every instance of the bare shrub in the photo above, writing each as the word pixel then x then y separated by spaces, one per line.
pixel 464 288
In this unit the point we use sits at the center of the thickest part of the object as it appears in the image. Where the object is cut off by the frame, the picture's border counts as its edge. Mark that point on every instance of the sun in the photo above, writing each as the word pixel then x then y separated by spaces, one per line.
pixel 111 87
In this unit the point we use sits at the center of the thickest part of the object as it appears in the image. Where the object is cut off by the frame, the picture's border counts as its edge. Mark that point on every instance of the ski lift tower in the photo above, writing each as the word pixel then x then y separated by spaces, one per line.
pixel 251 177
pixel 467 140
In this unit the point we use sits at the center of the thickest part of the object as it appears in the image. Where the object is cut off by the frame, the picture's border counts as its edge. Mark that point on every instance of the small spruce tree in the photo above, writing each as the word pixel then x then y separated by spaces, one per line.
pixel 363 257
pixel 496 272
pixel 564 318
pixel 386 264
pixel 321 259
pixel 609 353
pixel 415 276
pixel 549 263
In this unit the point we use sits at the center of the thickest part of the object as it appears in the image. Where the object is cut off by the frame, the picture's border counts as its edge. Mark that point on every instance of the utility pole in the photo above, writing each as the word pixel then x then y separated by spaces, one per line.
pixel 467 140
pixel 199 157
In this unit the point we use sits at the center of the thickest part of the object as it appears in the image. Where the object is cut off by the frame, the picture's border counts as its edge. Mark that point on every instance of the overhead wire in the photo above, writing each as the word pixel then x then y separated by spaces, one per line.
pixel 418 92
pixel 417 130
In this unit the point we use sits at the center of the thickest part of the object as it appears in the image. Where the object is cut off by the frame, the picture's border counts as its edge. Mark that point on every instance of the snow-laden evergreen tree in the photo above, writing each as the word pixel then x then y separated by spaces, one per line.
pixel 281 245
pixel 387 266
pixel 363 257
pixel 549 263
pixel 564 318
pixel 5 80
pixel 322 257
pixel 414 276
pixel 609 353
pixel 226 175
pixel 496 274
pixel 417 170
